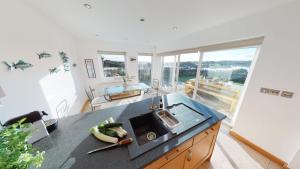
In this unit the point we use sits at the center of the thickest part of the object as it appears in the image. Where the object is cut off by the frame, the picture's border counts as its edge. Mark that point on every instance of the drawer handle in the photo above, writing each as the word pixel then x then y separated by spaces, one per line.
pixel 206 132
pixel 189 155
pixel 172 155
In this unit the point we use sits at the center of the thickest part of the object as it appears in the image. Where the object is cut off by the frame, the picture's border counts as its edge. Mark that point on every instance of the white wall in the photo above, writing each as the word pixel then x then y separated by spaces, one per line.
pixel 295 163
pixel 268 121
pixel 24 32
pixel 87 49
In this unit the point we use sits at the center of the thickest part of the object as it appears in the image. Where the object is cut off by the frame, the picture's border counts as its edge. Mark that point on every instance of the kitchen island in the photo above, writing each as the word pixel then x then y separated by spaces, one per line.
pixel 67 146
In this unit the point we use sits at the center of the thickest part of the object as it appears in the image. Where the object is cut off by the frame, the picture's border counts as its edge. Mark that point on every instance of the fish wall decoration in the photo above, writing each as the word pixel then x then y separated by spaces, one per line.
pixel 54 70
pixel 65 59
pixel 44 55
pixel 19 65
pixel 67 67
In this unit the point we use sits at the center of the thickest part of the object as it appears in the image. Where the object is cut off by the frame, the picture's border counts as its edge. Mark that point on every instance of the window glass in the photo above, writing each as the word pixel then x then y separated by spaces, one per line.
pixel 144 68
pixel 168 71
pixel 187 73
pixel 113 64
pixel 222 78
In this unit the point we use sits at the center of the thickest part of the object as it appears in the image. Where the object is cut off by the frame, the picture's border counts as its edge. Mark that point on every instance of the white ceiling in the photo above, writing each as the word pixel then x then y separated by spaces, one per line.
pixel 118 20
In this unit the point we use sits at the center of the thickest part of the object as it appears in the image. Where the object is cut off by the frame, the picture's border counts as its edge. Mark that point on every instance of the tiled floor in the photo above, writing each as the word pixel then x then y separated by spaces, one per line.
pixel 228 153
pixel 232 154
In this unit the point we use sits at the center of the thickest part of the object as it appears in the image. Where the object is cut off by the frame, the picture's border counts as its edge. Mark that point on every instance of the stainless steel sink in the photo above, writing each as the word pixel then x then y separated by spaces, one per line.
pixel 152 128
pixel 168 119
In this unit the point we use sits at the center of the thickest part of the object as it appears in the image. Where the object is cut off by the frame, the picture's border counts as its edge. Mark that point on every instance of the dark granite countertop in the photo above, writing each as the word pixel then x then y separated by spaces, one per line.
pixel 67 146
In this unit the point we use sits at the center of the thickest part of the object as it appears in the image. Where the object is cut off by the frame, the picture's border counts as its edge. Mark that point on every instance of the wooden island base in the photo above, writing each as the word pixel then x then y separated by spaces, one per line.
pixel 190 154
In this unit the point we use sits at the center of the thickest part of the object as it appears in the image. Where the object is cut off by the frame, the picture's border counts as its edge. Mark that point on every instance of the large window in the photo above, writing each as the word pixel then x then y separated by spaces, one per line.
pixel 168 71
pixel 187 72
pixel 113 63
pixel 222 78
pixel 214 78
pixel 144 67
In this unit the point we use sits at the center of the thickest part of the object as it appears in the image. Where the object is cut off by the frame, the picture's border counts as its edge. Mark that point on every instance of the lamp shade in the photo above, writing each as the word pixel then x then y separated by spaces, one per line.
pixel 2 94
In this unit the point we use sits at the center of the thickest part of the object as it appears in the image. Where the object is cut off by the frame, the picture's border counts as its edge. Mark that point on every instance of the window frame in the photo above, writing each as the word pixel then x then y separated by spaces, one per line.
pixel 151 72
pixel 246 43
pixel 173 71
pixel 102 66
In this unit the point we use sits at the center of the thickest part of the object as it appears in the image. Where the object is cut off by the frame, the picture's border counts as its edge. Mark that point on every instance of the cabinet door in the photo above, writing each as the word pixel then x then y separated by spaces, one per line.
pixel 200 151
pixel 170 155
pixel 177 162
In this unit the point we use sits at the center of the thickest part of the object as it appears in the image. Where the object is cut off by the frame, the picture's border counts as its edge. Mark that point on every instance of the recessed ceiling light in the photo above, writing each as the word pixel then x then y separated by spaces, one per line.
pixel 142 19
pixel 174 28
pixel 87 6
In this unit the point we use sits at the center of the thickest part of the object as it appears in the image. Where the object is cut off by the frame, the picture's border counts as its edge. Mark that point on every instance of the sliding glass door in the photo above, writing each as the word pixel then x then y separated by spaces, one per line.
pixel 214 78
pixel 187 71
pixel 144 68
pixel 222 78
pixel 168 73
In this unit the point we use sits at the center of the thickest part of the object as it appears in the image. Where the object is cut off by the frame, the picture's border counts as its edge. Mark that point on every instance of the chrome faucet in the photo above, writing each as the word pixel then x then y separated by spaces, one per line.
pixel 155 86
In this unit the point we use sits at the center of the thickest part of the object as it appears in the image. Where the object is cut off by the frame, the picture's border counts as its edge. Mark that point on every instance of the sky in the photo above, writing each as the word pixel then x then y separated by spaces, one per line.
pixel 118 58
pixel 190 57
pixel 144 58
pixel 241 54
pixel 121 58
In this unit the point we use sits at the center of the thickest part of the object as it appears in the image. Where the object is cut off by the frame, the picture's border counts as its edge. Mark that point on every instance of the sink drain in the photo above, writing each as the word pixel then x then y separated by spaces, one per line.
pixel 151 136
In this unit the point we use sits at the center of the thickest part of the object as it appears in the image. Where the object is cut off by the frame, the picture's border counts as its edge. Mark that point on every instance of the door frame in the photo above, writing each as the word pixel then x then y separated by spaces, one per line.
pixel 198 74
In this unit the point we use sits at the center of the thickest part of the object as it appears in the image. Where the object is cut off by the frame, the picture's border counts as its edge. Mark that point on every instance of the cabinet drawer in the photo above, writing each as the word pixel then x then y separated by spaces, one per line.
pixel 216 127
pixel 177 162
pixel 170 155
pixel 213 129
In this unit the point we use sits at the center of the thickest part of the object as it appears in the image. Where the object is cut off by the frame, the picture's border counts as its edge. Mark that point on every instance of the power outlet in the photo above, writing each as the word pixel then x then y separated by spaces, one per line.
pixel 270 91
pixel 287 94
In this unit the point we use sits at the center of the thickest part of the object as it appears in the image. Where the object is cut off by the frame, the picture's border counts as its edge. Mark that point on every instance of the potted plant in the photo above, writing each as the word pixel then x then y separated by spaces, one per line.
pixel 15 151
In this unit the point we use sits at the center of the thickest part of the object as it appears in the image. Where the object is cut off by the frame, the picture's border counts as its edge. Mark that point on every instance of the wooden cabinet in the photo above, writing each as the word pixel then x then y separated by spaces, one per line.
pixel 171 155
pixel 177 162
pixel 200 150
pixel 191 154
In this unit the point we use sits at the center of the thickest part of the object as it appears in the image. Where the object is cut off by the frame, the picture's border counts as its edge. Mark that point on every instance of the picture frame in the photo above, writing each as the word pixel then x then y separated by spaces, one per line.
pixel 89 64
